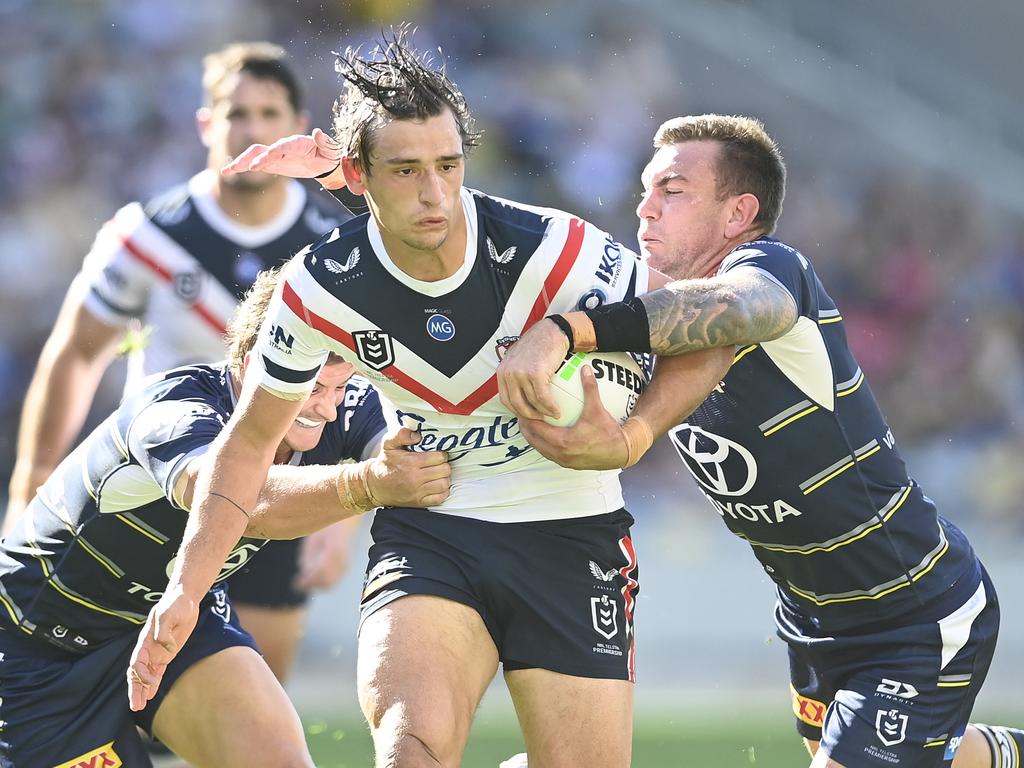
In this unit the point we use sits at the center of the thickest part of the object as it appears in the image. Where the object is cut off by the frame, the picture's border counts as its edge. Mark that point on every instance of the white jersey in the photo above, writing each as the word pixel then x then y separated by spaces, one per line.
pixel 432 348
pixel 179 265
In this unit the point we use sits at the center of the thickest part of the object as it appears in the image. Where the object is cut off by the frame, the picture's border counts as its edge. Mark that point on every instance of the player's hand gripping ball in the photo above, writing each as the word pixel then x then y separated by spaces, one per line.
pixel 620 380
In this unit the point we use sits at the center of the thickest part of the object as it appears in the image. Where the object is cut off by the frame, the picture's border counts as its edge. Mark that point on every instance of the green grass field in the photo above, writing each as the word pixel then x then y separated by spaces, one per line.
pixel 723 742
pixel 699 739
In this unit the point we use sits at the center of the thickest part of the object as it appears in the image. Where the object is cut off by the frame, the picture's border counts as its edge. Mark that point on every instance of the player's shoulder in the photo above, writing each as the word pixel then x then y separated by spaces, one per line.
pixel 320 218
pixel 170 207
pixel 765 250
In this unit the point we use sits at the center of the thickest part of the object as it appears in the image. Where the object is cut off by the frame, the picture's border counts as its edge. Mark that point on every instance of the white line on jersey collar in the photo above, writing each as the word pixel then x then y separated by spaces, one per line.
pixel 437 287
pixel 200 187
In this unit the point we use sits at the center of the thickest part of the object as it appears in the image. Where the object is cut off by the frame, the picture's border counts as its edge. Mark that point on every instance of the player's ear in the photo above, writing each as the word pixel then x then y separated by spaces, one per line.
pixel 742 213
pixel 204 118
pixel 353 173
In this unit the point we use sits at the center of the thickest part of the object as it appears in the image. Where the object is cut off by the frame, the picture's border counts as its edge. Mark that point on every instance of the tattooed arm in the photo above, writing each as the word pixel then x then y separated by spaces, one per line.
pixel 744 306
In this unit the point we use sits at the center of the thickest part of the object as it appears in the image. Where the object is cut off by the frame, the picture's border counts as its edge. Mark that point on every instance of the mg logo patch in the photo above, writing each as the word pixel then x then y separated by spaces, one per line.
pixel 604 615
pixel 891 727
pixel 374 348
pixel 103 757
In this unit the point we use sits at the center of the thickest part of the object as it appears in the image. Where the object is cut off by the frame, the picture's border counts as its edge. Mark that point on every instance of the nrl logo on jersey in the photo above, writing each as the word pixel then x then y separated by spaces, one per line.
pixel 341 267
pixel 500 258
pixel 375 348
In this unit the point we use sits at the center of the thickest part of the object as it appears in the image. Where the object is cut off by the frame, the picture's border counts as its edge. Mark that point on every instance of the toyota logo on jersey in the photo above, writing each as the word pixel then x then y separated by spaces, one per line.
pixel 721 466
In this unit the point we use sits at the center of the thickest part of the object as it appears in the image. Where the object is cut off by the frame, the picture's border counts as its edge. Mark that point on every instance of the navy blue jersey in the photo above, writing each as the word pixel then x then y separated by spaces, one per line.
pixel 795 455
pixel 94 549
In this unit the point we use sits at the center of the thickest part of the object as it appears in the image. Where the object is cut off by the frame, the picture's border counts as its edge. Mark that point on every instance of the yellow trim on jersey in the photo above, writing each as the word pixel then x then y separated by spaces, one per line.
pixel 740 355
pixel 117 573
pixel 65 591
pixel 141 530
pixel 939 743
pixel 827 320
pixel 10 610
pixel 960 684
pixel 852 389
pixel 842 469
pixel 838 544
pixel 901 585
pixel 790 420
pixel 118 442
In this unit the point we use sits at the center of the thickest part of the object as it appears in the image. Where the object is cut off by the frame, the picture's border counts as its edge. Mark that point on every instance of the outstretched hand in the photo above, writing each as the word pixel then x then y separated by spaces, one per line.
pixel 595 441
pixel 299 156
pixel 167 628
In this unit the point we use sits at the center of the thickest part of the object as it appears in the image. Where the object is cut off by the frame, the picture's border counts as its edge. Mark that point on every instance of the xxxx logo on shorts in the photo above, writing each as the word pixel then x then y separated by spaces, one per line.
pixel 101 757
pixel 808 710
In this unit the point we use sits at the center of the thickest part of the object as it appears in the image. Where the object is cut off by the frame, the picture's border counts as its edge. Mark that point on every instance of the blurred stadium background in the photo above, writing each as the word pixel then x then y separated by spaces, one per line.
pixel 901 123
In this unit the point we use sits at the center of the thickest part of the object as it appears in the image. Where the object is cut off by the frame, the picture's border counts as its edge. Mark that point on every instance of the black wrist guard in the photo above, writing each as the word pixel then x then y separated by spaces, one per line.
pixel 621 327
pixel 562 323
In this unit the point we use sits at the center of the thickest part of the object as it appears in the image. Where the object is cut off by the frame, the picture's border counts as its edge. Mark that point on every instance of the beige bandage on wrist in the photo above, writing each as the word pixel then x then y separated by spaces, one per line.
pixel 334 180
pixel 353 486
pixel 584 337
pixel 639 438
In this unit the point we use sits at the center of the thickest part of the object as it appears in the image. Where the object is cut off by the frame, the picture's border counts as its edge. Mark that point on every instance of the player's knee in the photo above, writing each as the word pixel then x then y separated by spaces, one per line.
pixel 405 735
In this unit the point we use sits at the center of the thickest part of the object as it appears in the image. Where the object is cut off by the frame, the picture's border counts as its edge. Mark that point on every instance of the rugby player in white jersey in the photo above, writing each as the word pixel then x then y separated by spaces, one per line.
pixel 422 295
pixel 174 269
pixel 888 615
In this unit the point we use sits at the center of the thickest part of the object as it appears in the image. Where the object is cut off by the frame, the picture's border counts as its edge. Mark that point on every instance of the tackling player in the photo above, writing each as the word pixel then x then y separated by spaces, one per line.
pixel 526 564
pixel 177 266
pixel 888 614
pixel 92 552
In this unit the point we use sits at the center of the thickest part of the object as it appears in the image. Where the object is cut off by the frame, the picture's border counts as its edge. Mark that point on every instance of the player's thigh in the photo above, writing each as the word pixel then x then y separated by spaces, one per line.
pixel 277 632
pixel 424 663
pixel 229 710
pixel 572 721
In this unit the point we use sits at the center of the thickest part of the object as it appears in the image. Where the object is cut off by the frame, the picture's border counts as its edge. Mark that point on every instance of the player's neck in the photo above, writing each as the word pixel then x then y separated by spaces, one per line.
pixel 430 265
pixel 712 262
pixel 252 207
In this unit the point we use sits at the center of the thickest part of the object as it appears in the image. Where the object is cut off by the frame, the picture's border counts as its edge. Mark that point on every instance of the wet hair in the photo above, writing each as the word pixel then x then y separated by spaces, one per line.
pixel 264 61
pixel 749 159
pixel 393 82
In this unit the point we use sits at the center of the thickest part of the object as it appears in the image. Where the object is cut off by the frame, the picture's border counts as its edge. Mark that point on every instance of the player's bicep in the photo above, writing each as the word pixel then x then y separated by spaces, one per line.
pixel 768 308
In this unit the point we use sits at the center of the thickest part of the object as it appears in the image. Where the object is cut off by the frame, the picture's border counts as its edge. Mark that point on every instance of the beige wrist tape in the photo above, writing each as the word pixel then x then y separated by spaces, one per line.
pixel 584 337
pixel 638 439
pixel 353 487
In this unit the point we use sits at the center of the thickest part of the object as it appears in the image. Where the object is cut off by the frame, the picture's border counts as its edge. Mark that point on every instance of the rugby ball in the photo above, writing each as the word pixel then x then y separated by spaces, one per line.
pixel 620 381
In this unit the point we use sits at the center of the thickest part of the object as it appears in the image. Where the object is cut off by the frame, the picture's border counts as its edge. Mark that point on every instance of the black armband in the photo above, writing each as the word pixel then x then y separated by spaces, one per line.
pixel 621 327
pixel 325 174
pixel 562 323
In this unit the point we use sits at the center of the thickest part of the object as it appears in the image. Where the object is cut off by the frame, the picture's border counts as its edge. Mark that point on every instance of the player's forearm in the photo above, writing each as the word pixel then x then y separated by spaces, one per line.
pixel 692 315
pixel 687 316
pixel 680 384
pixel 56 404
pixel 296 501
pixel 226 492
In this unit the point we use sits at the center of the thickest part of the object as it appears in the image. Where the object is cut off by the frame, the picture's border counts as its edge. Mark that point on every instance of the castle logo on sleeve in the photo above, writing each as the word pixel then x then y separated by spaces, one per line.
pixel 102 757
pixel 375 348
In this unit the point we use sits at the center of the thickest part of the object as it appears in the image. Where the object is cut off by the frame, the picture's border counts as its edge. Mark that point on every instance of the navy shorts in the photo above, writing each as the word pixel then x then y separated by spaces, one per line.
pixel 267 579
pixel 894 697
pixel 59 709
pixel 553 594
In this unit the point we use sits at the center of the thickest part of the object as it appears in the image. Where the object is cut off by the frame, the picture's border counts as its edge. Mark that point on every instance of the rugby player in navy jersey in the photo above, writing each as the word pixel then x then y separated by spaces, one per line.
pixel 889 616
pixel 92 552
pixel 423 294
pixel 176 267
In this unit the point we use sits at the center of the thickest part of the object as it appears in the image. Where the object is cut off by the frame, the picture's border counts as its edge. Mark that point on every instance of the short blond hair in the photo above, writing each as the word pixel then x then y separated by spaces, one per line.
pixel 749 161
pixel 264 61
